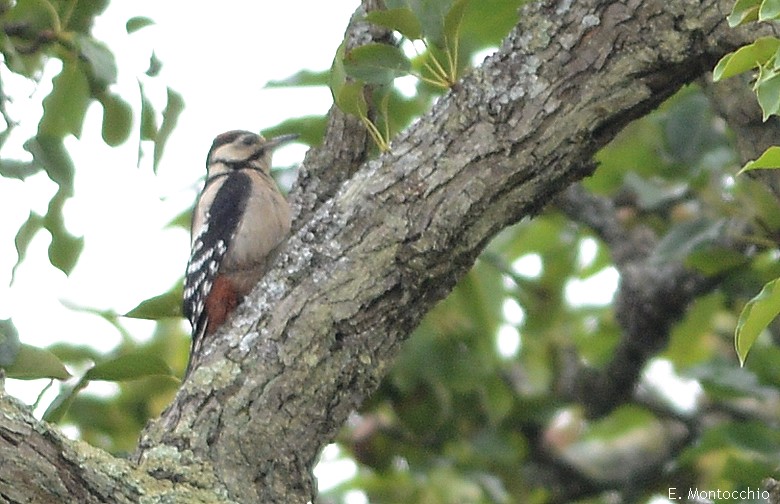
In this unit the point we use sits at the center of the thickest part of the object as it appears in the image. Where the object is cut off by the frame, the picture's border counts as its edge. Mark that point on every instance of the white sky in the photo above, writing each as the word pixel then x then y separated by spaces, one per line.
pixel 219 59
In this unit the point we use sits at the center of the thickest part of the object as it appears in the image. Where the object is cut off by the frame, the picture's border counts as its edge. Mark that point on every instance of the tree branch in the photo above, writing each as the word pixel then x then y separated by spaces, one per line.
pixel 651 298
pixel 40 465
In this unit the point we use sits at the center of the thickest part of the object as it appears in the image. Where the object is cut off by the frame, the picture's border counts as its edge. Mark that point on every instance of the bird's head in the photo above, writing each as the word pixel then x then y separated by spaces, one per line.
pixel 237 149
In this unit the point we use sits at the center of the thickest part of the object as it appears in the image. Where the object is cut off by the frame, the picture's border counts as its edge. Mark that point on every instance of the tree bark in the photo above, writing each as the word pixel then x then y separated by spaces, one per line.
pixel 388 241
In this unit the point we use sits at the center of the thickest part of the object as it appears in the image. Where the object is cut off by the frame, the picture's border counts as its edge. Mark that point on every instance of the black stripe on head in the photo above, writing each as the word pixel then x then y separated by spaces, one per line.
pixel 223 139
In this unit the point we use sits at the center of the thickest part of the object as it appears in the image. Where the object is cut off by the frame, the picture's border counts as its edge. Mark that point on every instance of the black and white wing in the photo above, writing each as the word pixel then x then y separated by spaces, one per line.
pixel 215 221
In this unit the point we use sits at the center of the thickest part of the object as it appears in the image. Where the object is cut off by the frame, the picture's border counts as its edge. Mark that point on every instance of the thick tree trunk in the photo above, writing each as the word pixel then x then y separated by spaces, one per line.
pixel 379 246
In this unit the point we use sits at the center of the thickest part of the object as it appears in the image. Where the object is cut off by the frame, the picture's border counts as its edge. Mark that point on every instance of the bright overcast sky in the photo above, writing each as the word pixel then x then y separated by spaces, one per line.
pixel 219 59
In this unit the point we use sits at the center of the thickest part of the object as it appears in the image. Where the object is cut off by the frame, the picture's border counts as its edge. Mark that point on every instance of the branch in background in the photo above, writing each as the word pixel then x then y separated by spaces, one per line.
pixel 651 298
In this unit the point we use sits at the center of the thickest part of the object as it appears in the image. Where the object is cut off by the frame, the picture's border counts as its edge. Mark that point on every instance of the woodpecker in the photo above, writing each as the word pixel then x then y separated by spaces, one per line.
pixel 239 221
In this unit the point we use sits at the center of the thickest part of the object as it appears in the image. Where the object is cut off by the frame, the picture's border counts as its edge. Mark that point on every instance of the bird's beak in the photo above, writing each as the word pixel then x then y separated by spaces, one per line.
pixel 275 142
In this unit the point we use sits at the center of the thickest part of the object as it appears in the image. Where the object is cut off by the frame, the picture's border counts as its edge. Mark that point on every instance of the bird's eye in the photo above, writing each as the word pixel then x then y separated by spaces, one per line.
pixel 249 140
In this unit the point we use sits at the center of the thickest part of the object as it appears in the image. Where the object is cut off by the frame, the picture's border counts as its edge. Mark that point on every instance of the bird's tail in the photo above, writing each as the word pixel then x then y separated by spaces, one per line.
pixel 198 335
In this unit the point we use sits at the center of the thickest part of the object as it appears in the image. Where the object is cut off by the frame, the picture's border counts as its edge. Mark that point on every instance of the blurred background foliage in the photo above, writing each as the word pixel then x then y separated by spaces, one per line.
pixel 473 410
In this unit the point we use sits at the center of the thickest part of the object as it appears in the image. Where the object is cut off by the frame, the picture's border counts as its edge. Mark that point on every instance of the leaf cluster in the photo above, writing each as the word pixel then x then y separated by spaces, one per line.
pixel 37 35
pixel 763 55
pixel 433 42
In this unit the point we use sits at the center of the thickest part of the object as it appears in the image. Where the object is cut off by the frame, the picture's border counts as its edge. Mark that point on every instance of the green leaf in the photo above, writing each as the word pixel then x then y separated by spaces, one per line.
pixel 453 21
pixel 83 14
pixel 148 118
pixel 751 435
pixel 687 237
pixel 36 15
pixel 724 382
pixel 401 20
pixel 746 58
pixel 624 419
pixel 33 363
pixel 136 23
pixel 101 65
pixel 159 307
pixel 6 132
pixel 155 65
pixel 310 128
pixel 759 202
pixel 351 99
pixel 769 160
pixel 401 110
pixel 755 317
pixel 338 76
pixel 302 79
pixel 769 10
pixel 689 343
pixel 12 168
pixel 148 126
pixel 767 88
pixel 65 107
pixel 498 398
pixel 713 261
pixel 479 31
pixel 64 249
pixel 653 194
pixel 479 296
pixel 131 366
pixel 688 132
pixel 431 14
pixel 743 11
pixel 77 354
pixel 23 22
pixel 376 63
pixel 60 405
pixel 117 119
pixel 776 60
pixel 49 152
pixel 183 220
pixel 9 343
pixel 24 236
pixel 170 115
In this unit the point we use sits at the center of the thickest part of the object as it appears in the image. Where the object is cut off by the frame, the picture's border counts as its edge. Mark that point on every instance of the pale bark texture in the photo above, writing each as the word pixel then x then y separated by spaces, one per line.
pixel 377 244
